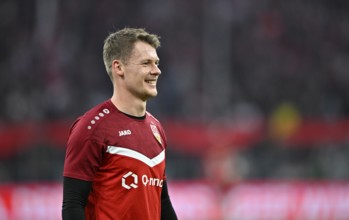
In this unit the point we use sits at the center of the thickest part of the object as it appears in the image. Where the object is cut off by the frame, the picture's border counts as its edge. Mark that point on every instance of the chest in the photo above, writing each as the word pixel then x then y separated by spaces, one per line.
pixel 142 137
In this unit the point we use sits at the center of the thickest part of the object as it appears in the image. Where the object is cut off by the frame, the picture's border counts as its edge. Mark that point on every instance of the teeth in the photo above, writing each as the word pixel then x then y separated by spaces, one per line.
pixel 151 81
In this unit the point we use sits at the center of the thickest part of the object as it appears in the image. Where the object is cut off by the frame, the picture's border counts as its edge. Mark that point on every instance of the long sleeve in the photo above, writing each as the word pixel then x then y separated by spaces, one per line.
pixel 167 211
pixel 75 194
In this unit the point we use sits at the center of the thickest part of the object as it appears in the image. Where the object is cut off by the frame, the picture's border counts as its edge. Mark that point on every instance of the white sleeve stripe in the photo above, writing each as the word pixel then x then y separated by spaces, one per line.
pixel 136 155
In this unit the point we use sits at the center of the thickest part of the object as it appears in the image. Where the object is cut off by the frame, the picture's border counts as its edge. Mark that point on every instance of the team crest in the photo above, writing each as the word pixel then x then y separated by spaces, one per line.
pixel 156 133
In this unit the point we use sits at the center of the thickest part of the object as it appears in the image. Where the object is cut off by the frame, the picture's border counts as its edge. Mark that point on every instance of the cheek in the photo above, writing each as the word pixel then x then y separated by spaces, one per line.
pixel 136 77
pixel 136 81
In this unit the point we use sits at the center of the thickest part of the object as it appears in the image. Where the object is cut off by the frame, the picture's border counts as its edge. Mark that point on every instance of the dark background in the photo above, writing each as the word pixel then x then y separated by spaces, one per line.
pixel 274 74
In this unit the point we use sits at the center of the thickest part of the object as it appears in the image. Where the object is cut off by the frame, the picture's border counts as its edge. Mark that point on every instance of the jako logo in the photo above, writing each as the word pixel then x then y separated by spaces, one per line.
pixel 124 132
pixel 147 181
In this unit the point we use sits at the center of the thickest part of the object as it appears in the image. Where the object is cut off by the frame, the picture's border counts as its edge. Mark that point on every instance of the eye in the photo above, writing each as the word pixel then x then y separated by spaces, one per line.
pixel 150 62
pixel 146 62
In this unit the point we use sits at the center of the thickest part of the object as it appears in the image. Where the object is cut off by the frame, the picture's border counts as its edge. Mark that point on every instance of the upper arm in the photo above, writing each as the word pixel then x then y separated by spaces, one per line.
pixel 83 153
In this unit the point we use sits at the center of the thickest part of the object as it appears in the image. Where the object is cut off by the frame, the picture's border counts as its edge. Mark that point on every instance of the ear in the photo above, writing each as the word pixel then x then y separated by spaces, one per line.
pixel 117 67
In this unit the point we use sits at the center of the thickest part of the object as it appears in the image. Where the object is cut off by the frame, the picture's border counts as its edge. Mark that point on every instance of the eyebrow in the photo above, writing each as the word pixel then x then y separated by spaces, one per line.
pixel 152 60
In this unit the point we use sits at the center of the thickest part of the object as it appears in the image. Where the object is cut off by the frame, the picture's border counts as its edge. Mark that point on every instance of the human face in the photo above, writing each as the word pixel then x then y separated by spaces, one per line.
pixel 141 71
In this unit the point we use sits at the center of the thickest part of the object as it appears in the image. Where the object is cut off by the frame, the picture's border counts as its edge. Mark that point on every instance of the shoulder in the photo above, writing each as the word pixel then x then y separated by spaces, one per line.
pixel 152 117
pixel 97 115
pixel 154 120
pixel 89 122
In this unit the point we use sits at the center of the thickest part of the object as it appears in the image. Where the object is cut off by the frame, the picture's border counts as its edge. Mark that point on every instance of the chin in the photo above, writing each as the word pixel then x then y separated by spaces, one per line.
pixel 150 95
pixel 153 93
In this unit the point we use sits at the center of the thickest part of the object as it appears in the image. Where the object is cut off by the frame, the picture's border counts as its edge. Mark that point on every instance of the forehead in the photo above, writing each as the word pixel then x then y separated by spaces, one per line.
pixel 143 50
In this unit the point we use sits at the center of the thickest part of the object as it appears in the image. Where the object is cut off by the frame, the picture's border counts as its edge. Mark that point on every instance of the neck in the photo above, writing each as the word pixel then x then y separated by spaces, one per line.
pixel 129 105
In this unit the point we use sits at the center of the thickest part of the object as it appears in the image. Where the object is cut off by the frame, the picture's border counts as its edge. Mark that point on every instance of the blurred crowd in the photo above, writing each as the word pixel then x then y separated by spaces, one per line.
pixel 224 61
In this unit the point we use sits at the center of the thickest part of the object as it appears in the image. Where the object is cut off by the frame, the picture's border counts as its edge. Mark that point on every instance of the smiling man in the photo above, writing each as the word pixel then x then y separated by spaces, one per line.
pixel 115 158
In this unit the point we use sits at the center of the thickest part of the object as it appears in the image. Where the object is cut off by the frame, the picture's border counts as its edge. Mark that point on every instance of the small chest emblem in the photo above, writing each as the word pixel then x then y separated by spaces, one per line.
pixel 156 133
pixel 124 132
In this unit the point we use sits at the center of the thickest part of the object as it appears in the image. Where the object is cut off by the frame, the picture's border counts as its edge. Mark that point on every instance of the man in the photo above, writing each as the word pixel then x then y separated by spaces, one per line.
pixel 115 159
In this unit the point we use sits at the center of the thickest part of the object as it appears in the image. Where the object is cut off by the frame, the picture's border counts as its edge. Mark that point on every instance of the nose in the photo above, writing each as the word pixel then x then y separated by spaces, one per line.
pixel 156 70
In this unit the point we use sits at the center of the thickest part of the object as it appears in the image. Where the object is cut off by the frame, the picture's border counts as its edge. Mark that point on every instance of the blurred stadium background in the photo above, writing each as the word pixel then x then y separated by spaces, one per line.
pixel 254 97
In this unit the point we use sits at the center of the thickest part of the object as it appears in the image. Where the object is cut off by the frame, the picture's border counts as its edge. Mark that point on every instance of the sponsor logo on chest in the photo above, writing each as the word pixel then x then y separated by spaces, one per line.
pixel 130 180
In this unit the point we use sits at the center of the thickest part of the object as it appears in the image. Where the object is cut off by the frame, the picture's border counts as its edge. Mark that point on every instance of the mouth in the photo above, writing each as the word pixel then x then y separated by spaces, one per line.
pixel 151 82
